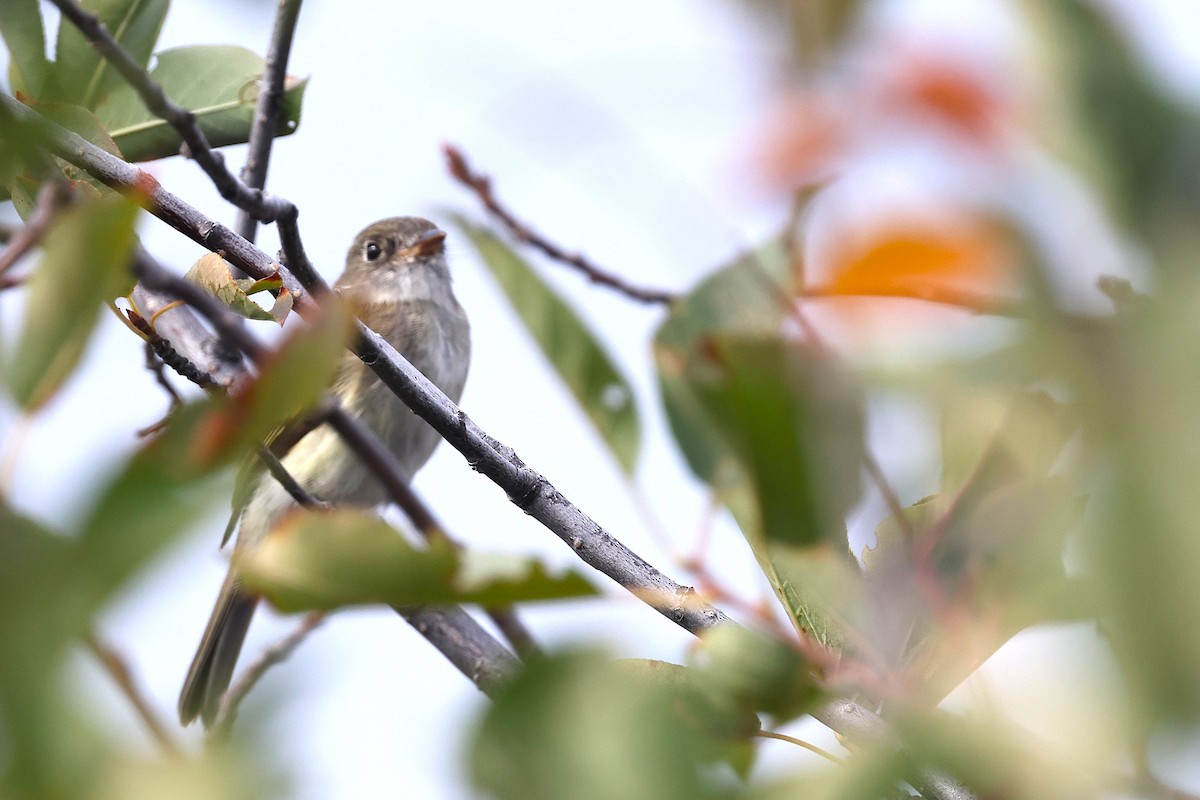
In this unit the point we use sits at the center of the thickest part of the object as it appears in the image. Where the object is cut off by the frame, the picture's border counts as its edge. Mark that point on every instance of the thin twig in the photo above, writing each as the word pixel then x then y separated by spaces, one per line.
pixel 285 479
pixel 941 295
pixel 457 164
pixel 157 367
pixel 257 203
pixel 262 206
pixel 117 668
pixel 50 200
pixel 275 654
pixel 12 281
pixel 266 111
pixel 812 748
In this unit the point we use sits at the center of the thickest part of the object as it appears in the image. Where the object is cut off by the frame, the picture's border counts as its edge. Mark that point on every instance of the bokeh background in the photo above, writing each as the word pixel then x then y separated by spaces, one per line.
pixel 632 131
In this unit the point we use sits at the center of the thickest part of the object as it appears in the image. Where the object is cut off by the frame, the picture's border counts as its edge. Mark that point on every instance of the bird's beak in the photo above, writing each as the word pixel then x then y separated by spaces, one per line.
pixel 428 243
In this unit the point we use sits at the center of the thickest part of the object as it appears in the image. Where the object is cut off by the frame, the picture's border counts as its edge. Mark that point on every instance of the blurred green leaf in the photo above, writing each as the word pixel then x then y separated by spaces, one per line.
pixel 24 35
pixel 725 723
pixel 794 425
pixel 217 83
pixel 1148 145
pixel 213 273
pixel 742 298
pixel 821 588
pixel 499 579
pixel 84 77
pixel 574 352
pixel 85 263
pixel 221 428
pixel 52 587
pixel 990 545
pixel 754 672
pixel 576 725
pixel 347 557
pixel 84 123
pixel 774 429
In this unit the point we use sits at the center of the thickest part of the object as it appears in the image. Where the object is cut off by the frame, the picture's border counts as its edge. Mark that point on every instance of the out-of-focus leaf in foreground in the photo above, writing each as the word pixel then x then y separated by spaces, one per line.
pixel 346 557
pixel 51 589
pixel 84 264
pixel 576 725
pixel 290 381
pixel 573 350
pixel 773 427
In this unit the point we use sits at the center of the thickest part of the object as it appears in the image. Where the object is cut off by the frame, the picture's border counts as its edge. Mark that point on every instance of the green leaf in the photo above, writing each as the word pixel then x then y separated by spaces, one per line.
pixel 85 263
pixel 754 672
pixel 213 273
pixel 740 298
pixel 499 579
pixel 348 557
pixel 792 423
pixel 84 76
pixel 217 83
pixel 576 725
pixel 84 123
pixel 290 381
pixel 21 27
pixel 1142 141
pixel 575 353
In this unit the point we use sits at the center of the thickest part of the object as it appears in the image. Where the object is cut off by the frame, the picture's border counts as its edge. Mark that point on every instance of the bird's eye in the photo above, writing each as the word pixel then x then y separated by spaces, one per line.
pixel 372 251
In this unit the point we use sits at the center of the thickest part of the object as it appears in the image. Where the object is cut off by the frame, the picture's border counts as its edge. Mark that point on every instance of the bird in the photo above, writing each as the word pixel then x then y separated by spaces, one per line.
pixel 397 281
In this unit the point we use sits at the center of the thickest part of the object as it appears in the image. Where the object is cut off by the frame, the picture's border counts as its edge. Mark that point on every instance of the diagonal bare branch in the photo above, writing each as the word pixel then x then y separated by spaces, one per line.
pixel 264 207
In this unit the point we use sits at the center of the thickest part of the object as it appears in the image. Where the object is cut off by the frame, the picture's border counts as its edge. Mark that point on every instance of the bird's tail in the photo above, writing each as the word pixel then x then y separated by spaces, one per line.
pixel 212 666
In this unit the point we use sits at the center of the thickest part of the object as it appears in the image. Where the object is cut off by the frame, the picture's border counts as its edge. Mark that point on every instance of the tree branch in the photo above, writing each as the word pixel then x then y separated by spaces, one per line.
pixel 53 196
pixel 481 185
pixel 117 668
pixel 525 487
pixel 257 203
pixel 450 629
pixel 266 112
pixel 275 654
pixel 387 468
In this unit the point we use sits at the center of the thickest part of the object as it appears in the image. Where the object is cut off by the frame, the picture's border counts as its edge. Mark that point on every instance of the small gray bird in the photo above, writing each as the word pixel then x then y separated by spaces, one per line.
pixel 398 283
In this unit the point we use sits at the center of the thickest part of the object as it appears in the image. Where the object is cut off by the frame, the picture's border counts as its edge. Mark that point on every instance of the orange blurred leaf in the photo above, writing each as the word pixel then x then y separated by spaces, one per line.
pixel 924 261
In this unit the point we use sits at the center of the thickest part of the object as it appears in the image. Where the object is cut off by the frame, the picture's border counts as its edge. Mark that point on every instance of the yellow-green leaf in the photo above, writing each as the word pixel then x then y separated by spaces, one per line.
pixel 85 263
pixel 349 557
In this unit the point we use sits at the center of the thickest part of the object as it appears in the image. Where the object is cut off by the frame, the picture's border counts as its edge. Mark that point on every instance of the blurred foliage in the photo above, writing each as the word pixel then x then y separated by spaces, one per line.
pixel 1066 446
pixel 65 301
pixel 340 558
